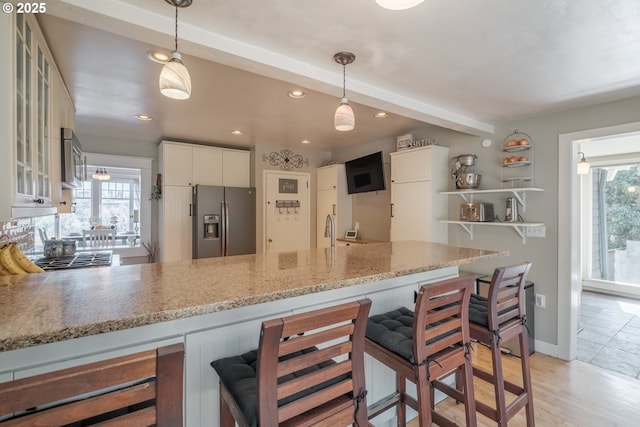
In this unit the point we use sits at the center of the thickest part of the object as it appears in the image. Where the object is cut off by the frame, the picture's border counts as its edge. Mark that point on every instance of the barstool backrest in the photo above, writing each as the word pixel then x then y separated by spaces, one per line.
pixel 506 303
pixel 140 389
pixel 314 361
pixel 441 319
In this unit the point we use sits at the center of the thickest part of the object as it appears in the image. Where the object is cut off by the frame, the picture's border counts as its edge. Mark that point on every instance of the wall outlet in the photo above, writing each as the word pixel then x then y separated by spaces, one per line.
pixel 536 231
pixel 541 301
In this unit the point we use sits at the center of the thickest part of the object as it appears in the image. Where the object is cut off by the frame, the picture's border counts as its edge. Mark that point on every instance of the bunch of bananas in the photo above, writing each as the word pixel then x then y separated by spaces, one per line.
pixel 14 261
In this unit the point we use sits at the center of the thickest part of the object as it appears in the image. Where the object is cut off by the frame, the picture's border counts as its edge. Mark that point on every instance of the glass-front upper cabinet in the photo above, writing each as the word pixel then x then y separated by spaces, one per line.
pixel 43 128
pixel 33 111
pixel 24 164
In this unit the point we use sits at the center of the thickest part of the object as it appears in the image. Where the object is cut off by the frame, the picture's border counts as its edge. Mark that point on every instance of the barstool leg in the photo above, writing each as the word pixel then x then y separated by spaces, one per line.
pixel 401 387
pixel 526 377
pixel 469 395
pixel 498 376
pixel 226 417
pixel 424 392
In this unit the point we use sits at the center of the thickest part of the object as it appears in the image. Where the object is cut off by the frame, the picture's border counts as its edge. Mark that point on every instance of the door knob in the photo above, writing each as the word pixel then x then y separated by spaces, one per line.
pixel 269 240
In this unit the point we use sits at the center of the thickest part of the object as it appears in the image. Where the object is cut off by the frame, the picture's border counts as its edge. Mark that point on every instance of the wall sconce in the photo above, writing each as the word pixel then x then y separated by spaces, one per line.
pixel 583 165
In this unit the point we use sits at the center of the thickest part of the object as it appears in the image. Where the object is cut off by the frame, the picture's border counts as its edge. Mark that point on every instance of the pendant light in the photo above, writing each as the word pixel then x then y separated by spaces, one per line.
pixel 175 81
pixel 583 165
pixel 344 120
pixel 398 4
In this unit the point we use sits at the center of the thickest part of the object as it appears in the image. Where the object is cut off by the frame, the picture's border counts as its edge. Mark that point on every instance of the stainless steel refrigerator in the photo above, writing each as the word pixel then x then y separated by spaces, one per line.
pixel 224 221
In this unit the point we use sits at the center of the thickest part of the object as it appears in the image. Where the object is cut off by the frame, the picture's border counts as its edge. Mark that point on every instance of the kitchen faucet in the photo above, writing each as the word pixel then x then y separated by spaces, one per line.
pixel 330 230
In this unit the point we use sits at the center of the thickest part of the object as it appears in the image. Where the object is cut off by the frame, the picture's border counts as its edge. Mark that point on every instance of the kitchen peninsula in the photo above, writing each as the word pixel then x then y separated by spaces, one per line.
pixel 214 306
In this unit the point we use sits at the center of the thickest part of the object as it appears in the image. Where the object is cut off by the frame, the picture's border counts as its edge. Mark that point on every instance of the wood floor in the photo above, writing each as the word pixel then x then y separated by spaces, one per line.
pixel 565 394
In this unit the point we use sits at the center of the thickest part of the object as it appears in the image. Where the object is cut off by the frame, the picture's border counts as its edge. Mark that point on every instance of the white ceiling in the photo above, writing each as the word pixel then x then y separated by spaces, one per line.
pixel 464 65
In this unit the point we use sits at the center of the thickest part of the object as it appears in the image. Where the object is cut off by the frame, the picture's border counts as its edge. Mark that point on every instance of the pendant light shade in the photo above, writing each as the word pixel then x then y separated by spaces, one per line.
pixel 344 119
pixel 583 165
pixel 175 81
pixel 101 174
pixel 398 4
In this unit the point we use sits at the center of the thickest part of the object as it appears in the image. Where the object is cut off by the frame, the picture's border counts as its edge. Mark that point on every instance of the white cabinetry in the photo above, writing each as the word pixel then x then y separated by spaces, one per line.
pixel 26 117
pixel 62 116
pixel 183 166
pixel 235 168
pixel 187 164
pixel 176 223
pixel 418 176
pixel 176 164
pixel 332 199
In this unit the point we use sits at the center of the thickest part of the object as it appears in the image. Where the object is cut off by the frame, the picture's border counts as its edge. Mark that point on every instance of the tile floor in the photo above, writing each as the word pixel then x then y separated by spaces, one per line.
pixel 610 335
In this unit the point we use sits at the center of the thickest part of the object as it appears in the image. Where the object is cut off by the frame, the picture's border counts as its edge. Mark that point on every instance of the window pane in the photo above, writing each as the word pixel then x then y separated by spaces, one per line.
pixel 616 224
pixel 107 203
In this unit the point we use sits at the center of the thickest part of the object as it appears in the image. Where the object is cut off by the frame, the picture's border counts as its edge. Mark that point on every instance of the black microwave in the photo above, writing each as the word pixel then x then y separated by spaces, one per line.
pixel 73 164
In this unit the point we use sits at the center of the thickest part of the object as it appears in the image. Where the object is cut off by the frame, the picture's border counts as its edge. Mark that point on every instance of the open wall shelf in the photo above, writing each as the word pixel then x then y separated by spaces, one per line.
pixel 518 227
pixel 518 193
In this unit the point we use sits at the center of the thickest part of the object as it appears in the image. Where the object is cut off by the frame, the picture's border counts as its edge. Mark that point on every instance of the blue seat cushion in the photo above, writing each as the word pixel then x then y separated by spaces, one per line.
pixel 238 374
pixel 478 310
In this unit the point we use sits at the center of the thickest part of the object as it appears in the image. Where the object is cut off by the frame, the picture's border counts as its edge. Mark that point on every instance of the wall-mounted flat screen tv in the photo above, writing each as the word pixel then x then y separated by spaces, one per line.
pixel 365 173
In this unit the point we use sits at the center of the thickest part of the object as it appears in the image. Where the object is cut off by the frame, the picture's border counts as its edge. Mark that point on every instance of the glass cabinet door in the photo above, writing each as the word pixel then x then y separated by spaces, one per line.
pixel 33 117
pixel 24 132
pixel 43 129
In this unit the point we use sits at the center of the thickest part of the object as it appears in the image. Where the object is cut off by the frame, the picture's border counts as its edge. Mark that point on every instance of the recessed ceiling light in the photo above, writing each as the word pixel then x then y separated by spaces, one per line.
pixel 381 115
pixel 237 132
pixel 159 56
pixel 143 117
pixel 296 93
pixel 305 141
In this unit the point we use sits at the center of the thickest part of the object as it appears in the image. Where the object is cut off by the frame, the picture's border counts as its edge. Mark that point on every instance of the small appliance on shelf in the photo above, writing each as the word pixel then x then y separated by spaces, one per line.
pixel 477 212
pixel 463 177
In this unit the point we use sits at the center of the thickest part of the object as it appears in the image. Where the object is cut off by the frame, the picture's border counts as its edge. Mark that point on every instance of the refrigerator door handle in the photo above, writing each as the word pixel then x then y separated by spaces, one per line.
pixel 226 228
pixel 223 229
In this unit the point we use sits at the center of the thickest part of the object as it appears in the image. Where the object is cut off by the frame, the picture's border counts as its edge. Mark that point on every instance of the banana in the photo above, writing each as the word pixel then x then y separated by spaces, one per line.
pixel 3 272
pixel 7 261
pixel 25 263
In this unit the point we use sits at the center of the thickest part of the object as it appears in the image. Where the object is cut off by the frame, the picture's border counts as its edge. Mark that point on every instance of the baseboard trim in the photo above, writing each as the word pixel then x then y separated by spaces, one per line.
pixel 546 348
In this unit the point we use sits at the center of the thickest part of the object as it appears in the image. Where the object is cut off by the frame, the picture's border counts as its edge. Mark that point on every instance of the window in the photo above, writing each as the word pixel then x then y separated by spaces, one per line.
pixel 121 203
pixel 106 204
pixel 615 223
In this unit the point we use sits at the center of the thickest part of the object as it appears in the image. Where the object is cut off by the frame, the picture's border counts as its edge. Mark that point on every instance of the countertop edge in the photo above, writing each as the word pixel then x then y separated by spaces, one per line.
pixel 89 329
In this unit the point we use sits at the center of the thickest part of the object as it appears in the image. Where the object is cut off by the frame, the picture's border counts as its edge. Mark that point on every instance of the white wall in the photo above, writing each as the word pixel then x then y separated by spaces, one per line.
pixel 372 209
pixel 543 207
pixel 315 158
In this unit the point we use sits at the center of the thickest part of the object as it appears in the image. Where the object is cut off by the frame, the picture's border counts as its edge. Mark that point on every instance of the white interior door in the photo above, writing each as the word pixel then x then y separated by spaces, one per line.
pixel 286 211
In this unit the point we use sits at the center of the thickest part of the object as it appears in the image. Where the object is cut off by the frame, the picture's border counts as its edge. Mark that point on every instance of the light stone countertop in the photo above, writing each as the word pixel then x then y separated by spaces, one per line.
pixel 49 307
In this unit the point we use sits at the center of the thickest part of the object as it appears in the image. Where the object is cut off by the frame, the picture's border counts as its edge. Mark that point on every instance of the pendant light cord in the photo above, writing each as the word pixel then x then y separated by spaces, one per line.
pixel 176 39
pixel 344 80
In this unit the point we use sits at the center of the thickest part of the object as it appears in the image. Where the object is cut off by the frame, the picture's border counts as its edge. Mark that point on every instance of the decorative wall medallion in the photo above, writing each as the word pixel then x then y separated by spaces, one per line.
pixel 286 159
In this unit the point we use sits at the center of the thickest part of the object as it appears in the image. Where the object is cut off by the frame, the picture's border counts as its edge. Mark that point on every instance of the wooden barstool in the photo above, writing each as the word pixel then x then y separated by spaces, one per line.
pixel 308 370
pixel 136 390
pixel 424 347
pixel 495 319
